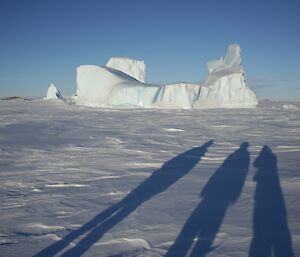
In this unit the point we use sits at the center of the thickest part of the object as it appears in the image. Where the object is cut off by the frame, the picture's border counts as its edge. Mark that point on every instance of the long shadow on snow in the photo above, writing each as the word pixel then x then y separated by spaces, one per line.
pixel 159 181
pixel 222 190
pixel 270 229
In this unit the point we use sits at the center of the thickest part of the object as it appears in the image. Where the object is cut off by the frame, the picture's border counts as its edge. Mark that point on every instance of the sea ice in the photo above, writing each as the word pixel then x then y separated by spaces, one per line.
pixel 65 172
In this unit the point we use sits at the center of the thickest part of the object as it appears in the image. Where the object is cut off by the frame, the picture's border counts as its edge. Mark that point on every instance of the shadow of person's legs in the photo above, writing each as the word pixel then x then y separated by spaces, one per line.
pixel 222 189
pixel 65 241
pixel 159 181
pixel 96 233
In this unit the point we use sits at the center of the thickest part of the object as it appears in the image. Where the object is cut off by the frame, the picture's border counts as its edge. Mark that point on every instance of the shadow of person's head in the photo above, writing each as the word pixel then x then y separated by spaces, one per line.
pixel 265 163
pixel 244 145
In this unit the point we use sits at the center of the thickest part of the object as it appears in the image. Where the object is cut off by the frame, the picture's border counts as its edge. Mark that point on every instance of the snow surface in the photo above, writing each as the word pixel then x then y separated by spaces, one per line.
pixel 106 87
pixel 78 181
pixel 53 93
pixel 133 68
pixel 290 107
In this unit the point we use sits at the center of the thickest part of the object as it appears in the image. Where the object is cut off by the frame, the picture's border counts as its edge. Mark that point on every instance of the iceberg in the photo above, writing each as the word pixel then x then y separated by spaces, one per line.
pixel 53 93
pixel 119 85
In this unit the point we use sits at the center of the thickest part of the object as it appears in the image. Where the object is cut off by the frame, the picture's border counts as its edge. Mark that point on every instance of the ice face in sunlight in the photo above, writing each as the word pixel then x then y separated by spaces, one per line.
pixel 231 63
pixel 102 86
pixel 134 68
pixel 119 85
pixel 53 92
pixel 225 84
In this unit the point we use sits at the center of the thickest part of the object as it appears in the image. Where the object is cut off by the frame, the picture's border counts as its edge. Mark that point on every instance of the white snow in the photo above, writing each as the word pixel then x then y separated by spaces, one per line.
pixel 65 185
pixel 133 68
pixel 109 88
pixel 53 92
pixel 38 229
pixel 290 107
pixel 144 173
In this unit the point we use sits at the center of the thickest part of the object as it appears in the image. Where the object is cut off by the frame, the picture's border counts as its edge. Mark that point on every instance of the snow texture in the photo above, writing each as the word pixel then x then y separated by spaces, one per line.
pixel 134 68
pixel 109 88
pixel 290 107
pixel 53 93
pixel 85 182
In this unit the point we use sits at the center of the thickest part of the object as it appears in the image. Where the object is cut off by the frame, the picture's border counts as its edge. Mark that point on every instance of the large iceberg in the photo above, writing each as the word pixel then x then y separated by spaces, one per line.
pixel 113 87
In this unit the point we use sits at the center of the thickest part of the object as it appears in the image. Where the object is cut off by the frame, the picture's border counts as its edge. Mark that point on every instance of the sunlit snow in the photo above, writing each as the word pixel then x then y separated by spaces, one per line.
pixel 78 181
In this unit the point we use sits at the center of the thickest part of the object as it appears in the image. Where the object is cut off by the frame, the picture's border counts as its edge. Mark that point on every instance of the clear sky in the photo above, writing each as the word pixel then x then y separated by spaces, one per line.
pixel 43 41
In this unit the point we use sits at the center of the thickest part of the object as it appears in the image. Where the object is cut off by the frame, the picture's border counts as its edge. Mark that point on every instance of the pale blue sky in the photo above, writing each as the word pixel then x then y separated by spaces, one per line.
pixel 43 41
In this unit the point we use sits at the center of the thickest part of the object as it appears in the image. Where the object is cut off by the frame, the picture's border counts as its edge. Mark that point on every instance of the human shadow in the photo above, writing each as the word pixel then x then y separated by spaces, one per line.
pixel 271 236
pixel 159 181
pixel 223 189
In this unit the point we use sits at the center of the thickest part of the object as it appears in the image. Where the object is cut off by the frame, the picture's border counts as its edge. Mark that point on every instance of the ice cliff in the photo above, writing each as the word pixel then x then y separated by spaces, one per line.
pixel 120 85
pixel 53 93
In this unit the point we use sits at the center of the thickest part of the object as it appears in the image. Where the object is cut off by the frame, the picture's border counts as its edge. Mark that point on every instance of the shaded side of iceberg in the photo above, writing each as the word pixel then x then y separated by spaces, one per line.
pixel 108 87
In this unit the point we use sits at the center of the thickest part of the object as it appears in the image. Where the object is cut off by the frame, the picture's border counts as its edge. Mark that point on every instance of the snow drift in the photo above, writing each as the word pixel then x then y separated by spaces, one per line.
pixel 120 86
pixel 53 93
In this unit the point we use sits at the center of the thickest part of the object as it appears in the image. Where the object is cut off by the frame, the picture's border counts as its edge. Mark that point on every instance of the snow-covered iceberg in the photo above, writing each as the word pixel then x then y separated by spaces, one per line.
pixel 53 93
pixel 118 86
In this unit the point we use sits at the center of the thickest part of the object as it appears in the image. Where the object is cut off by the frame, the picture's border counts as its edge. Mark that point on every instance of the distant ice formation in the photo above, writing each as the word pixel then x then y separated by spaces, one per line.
pixel 53 93
pixel 120 85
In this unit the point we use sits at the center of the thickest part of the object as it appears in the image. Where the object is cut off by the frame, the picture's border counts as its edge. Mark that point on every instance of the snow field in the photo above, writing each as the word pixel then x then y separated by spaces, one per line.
pixel 63 165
